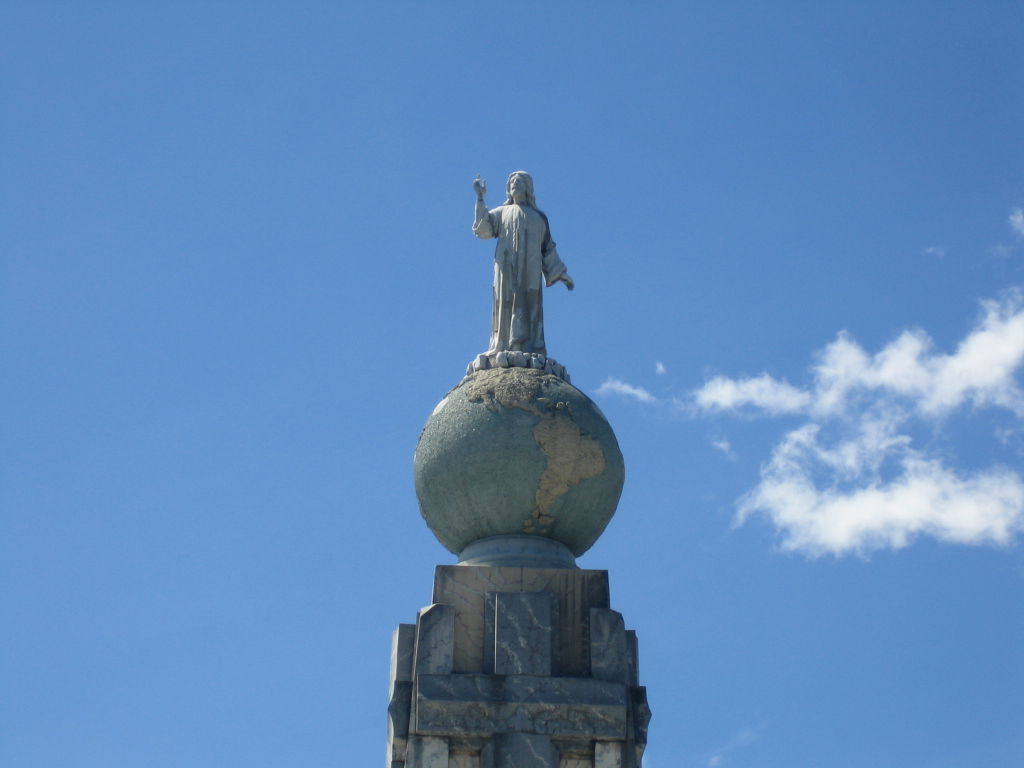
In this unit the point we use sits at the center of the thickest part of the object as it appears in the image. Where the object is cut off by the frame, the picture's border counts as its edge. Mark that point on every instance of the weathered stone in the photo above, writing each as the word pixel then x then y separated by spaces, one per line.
pixel 608 754
pixel 487 360
pixel 575 748
pixel 519 750
pixel 608 658
pixel 403 642
pixel 465 588
pixel 486 704
pixel 463 759
pixel 399 710
pixel 427 752
pixel 518 360
pixel 403 645
pixel 640 714
pixel 525 623
pixel 632 658
pixel 552 689
pixel 435 640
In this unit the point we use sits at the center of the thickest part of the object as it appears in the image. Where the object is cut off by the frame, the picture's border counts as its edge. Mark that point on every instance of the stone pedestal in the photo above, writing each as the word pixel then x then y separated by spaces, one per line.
pixel 514 667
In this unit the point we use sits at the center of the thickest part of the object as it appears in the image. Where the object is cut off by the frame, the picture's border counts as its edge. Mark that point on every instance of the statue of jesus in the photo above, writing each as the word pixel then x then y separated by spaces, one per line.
pixel 525 256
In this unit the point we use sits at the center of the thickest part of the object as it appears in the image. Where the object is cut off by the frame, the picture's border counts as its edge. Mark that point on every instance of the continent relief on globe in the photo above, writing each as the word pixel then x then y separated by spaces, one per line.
pixel 572 455
pixel 517 451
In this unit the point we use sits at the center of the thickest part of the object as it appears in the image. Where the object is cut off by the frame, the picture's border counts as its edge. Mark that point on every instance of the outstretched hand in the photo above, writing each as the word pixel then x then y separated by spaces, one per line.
pixel 480 187
pixel 567 280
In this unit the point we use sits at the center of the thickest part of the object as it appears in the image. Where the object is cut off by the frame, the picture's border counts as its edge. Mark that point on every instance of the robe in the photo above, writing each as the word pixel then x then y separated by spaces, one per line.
pixel 525 257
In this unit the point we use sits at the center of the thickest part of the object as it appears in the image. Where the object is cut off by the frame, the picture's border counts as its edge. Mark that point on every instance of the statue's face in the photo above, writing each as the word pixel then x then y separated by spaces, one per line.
pixel 517 188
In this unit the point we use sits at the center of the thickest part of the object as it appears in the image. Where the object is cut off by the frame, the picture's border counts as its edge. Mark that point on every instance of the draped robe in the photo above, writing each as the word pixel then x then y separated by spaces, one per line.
pixel 524 257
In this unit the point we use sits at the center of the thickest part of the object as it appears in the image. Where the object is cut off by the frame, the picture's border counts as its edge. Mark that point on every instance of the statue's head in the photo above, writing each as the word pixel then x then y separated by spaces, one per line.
pixel 520 184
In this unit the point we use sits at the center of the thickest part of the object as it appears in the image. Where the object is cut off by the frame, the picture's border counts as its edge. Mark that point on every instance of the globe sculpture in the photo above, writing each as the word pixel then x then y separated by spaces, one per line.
pixel 519 463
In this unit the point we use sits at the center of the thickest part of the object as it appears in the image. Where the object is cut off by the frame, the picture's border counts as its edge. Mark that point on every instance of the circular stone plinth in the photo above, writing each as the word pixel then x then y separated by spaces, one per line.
pixel 515 451
pixel 518 552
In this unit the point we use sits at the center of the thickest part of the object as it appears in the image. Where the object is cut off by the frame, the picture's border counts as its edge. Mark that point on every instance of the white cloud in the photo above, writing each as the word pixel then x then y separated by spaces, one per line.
pixel 923 498
pixel 659 368
pixel 619 387
pixel 850 480
pixel 1017 221
pixel 723 445
pixel 934 250
pixel 761 392
pixel 980 372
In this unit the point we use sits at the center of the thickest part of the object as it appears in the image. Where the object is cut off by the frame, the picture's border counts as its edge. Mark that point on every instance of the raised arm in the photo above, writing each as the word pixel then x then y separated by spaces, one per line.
pixel 482 227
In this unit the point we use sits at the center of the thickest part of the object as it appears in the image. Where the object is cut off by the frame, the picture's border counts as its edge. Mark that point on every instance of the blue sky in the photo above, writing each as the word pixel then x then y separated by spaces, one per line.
pixel 238 273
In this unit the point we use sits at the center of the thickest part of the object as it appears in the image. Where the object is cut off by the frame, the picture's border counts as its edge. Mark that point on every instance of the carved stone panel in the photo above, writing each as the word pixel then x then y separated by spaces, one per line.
pixel 523 633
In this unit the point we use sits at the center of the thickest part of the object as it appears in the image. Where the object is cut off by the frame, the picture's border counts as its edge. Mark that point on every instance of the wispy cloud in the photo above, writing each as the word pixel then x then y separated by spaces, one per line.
pixel 619 387
pixel 744 737
pixel 850 479
pixel 1017 221
pixel 762 392
pixel 659 368
pixel 723 445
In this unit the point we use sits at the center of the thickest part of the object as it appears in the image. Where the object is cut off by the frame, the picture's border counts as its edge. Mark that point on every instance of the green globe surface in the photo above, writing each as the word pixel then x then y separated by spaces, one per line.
pixel 514 451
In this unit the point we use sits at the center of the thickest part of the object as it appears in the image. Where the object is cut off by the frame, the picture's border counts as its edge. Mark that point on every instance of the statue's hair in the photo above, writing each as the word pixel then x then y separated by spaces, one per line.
pixel 531 200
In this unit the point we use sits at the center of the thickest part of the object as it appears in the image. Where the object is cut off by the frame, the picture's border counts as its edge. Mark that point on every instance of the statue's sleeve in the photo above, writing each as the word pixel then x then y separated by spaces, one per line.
pixel 550 261
pixel 485 223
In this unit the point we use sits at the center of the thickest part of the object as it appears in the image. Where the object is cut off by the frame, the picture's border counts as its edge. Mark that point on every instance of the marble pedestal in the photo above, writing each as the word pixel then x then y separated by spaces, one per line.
pixel 515 667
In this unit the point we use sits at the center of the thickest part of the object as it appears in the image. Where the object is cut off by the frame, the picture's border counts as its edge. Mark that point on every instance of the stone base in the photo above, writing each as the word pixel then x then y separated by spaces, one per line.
pixel 516 668
pixel 512 359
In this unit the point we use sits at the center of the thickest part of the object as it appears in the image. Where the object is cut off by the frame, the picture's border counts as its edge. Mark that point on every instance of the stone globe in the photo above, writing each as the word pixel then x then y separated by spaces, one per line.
pixel 516 466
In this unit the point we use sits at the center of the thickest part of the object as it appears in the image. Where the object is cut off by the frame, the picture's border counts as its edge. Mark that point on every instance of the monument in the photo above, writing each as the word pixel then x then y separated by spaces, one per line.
pixel 519 661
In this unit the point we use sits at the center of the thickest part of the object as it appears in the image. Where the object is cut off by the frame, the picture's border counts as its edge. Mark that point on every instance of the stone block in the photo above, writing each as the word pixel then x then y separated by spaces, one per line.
pixel 466 587
pixel 609 754
pixel 435 640
pixel 399 711
pixel 403 644
pixel 640 713
pixel 608 659
pixel 519 750
pixel 427 752
pixel 481 705
pixel 632 658
pixel 522 633
pixel 463 759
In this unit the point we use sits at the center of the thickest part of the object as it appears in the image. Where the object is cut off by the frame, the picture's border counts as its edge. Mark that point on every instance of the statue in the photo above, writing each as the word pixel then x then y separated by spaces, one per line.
pixel 525 255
